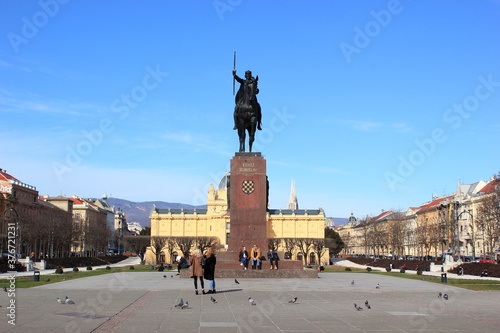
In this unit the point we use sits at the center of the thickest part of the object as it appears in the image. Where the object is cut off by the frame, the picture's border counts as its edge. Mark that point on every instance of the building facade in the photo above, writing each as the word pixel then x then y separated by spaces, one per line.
pixel 465 224
pixel 214 221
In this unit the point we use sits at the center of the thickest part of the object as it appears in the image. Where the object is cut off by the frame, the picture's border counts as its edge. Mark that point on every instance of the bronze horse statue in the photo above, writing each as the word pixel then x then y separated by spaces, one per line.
pixel 247 112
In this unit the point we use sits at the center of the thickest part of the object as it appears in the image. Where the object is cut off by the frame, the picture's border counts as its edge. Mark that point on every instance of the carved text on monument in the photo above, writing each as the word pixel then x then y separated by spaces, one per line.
pixel 247 167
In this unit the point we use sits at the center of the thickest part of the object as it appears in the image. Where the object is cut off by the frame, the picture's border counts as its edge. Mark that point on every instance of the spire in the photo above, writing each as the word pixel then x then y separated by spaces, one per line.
pixel 292 202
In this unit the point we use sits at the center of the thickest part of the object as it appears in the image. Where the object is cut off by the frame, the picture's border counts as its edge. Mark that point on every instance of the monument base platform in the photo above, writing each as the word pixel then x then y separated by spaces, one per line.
pixel 260 274
pixel 228 266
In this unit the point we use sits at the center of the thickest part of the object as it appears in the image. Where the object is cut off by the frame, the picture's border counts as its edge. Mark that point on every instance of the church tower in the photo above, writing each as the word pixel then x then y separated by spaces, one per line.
pixel 292 202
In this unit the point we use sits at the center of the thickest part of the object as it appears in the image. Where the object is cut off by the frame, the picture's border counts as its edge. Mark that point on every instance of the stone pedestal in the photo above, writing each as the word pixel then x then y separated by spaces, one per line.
pixel 248 191
pixel 248 199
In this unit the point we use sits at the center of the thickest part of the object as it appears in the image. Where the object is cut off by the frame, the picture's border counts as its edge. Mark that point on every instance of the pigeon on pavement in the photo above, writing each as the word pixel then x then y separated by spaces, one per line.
pixel 445 296
pixel 185 305
pixel 440 295
pixel 293 300
pixel 60 301
pixel 357 307
pixel 69 301
pixel 5 288
pixel 251 301
pixel 377 286
pixel 236 281
pixel 181 303
pixel 352 283
pixel 164 276
pixel 213 300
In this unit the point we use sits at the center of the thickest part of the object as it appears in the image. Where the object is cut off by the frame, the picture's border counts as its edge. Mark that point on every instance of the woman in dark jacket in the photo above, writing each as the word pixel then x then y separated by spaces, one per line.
pixel 209 271
pixel 244 257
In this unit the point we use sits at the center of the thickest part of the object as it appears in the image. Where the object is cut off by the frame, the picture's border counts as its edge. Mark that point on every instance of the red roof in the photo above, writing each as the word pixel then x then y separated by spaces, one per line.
pixel 491 186
pixel 381 215
pixel 5 176
pixel 433 203
pixel 77 201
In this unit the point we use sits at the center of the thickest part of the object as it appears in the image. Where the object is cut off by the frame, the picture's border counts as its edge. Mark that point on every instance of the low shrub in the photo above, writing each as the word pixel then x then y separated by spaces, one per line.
pixel 368 269
pixel 388 269
pixel 348 269
pixel 75 269
pixel 89 268
pixel 402 270
pixel 419 272
pixel 59 270
pixel 132 268
pixel 108 268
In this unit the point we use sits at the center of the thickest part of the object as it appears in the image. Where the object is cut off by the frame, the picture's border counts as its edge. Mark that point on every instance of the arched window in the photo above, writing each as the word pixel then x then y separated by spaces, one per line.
pixel 162 257
pixel 312 259
pixel 300 256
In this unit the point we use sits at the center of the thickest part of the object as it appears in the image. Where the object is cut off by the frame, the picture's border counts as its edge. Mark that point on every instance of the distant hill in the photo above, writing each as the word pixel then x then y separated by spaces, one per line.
pixel 140 211
pixel 340 220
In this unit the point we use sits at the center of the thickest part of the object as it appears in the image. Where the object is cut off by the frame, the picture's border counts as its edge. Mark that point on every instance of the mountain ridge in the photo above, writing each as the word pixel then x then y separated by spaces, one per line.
pixel 140 211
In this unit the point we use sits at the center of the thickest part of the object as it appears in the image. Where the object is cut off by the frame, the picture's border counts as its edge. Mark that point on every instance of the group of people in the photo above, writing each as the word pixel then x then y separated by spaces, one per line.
pixel 255 258
pixel 201 266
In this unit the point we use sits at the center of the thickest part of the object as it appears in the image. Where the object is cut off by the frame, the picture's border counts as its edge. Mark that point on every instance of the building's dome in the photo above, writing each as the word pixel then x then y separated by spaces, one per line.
pixel 224 182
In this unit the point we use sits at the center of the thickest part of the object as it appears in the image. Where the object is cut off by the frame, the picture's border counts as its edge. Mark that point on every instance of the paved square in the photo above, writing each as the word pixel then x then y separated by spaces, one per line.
pixel 145 302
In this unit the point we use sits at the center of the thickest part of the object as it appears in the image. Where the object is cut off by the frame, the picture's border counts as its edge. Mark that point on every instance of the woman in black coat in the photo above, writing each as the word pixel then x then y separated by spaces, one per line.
pixel 209 269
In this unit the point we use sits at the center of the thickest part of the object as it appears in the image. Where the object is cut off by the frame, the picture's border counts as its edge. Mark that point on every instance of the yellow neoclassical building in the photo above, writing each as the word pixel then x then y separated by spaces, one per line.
pixel 214 221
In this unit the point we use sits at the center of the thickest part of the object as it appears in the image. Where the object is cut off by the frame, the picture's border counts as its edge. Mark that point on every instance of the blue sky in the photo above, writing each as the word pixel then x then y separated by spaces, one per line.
pixel 367 105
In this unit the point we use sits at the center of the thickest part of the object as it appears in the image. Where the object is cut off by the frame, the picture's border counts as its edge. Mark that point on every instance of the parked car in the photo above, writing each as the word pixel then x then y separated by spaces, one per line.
pixel 485 260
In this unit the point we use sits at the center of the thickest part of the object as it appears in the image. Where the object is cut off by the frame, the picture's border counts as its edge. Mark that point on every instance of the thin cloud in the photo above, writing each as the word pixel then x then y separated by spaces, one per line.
pixel 373 126
pixel 195 142
pixel 11 103
pixel 364 126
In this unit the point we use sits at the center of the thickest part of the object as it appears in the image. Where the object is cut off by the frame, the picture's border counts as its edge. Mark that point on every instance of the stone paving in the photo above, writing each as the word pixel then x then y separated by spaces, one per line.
pixel 145 302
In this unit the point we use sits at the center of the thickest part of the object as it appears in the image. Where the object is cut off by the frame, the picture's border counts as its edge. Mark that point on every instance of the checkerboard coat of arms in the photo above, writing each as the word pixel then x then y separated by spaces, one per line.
pixel 248 186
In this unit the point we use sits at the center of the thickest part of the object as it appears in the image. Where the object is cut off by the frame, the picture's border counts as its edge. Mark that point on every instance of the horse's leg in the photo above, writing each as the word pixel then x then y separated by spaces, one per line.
pixel 251 135
pixel 242 134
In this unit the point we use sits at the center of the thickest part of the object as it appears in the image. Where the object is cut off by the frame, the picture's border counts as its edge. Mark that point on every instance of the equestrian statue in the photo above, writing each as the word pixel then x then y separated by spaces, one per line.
pixel 247 114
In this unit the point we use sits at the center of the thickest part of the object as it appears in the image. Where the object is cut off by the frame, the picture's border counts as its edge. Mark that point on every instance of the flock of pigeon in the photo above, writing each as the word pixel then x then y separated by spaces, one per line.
pixel 376 287
pixel 445 296
pixel 67 300
pixel 358 308
pixel 185 304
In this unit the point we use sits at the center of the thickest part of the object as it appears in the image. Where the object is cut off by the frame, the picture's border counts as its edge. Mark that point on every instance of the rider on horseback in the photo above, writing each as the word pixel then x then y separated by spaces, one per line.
pixel 247 86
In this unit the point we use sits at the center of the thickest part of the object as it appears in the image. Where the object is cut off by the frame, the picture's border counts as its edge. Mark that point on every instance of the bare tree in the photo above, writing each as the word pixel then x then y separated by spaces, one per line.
pixel 365 236
pixel 207 241
pixel 185 243
pixel 428 235
pixel 304 245
pixel 320 248
pixel 138 244
pixel 171 245
pixel 289 245
pixel 488 220
pixel 274 243
pixel 157 245
pixel 375 237
pixel 396 236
